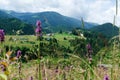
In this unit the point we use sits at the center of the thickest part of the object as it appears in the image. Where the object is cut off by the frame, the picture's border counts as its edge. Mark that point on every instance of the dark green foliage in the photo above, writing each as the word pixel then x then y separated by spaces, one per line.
pixel 49 47
pixel 79 46
pixel 97 41
pixel 53 46
pixel 25 51
pixel 60 31
pixel 106 29
pixel 75 32
pixel 12 25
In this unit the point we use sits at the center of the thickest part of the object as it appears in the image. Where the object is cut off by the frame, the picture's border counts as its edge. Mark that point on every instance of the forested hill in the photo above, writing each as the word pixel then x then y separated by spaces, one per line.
pixel 107 29
pixel 13 25
pixel 52 21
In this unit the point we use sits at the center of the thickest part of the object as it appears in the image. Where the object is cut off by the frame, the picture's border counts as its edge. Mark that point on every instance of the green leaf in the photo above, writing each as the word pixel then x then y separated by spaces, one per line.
pixel 3 77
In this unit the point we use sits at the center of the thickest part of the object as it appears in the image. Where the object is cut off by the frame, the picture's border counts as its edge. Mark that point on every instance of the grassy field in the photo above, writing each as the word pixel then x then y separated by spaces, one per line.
pixel 106 62
pixel 17 39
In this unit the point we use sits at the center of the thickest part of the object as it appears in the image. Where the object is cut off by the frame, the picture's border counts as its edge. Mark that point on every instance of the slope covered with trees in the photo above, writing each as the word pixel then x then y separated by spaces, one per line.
pixel 13 25
pixel 107 29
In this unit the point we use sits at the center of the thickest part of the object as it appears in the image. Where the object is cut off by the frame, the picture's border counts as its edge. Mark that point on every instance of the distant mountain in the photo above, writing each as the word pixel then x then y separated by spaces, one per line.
pixel 107 29
pixel 51 21
pixel 4 15
pixel 11 25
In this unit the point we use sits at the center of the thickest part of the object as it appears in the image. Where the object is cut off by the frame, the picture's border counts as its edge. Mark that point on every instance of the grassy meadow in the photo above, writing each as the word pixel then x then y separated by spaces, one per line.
pixel 61 65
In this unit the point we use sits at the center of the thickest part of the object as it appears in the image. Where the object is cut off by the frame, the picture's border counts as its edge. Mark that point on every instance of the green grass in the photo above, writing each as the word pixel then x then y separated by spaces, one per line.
pixel 60 38
pixel 73 67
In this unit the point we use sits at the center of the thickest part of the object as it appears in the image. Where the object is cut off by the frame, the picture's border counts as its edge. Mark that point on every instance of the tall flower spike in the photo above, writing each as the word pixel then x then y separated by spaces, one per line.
pixel 88 46
pixel 18 53
pixel 31 78
pixel 38 23
pixel 106 77
pixel 38 30
pixel 2 35
pixel 89 52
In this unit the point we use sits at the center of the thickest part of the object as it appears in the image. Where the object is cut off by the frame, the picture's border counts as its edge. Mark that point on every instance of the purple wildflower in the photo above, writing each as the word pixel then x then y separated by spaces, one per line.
pixel 38 30
pixel 106 77
pixel 31 78
pixel 3 67
pixel 56 70
pixel 38 23
pixel 18 53
pixel 88 46
pixel 89 52
pixel 2 34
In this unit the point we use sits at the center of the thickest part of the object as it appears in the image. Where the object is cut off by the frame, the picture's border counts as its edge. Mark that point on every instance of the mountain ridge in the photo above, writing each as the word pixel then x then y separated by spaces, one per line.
pixel 51 22
pixel 54 19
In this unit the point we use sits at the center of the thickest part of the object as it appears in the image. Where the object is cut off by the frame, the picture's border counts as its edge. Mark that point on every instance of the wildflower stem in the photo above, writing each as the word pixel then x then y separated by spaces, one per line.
pixel 39 70
pixel 19 70
pixel 39 67
pixel 45 71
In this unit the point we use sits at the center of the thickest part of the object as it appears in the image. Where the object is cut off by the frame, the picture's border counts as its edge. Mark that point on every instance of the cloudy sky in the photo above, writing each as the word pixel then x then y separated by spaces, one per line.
pixel 97 11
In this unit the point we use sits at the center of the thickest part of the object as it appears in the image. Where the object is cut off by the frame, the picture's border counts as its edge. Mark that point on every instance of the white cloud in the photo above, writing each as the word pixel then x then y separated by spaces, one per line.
pixel 98 11
pixel 102 11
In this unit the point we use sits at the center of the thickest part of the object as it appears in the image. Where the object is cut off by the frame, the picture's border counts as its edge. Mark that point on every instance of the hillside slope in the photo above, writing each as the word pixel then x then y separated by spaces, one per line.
pixel 11 25
pixel 52 21
pixel 107 29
